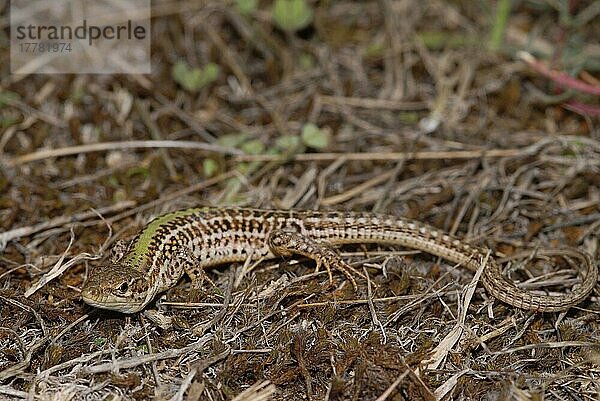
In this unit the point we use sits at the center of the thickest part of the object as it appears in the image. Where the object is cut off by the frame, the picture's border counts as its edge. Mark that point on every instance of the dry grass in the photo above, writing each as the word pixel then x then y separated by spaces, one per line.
pixel 436 124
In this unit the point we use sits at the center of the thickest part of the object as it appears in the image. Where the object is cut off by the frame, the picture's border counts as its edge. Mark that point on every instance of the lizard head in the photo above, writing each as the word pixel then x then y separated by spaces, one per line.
pixel 117 287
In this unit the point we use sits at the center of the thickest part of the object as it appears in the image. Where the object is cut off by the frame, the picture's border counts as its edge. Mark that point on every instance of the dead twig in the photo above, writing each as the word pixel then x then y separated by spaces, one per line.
pixel 382 156
pixel 126 363
pixel 102 147
pixel 16 233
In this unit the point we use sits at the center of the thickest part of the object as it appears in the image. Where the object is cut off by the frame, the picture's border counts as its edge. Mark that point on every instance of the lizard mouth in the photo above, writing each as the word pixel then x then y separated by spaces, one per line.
pixel 90 297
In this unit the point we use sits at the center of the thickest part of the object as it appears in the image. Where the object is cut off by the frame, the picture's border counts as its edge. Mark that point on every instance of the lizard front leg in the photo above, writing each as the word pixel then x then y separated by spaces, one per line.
pixel 194 270
pixel 287 243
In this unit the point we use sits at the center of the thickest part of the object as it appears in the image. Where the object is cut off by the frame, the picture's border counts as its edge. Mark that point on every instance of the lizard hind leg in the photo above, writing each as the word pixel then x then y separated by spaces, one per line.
pixel 287 243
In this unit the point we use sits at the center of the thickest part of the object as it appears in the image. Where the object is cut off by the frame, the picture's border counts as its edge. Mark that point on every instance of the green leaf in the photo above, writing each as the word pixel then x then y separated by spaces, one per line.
pixel 194 79
pixel 500 22
pixel 292 15
pixel 307 61
pixel 120 195
pixel 99 341
pixel 408 117
pixel 7 97
pixel 253 147
pixel 232 140
pixel 139 170
pixel 8 121
pixel 315 137
pixel 113 181
pixel 246 7
pixel 210 73
pixel 244 168
pixel 232 187
pixel 210 167
pixel 186 77
pixel 288 143
pixel 77 95
pixel 374 50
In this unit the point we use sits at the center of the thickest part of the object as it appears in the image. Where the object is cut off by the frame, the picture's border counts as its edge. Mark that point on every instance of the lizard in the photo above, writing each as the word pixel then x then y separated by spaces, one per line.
pixel 190 240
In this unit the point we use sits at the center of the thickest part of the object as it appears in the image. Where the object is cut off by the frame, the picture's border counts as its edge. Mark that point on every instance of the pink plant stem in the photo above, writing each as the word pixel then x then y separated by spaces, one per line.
pixel 561 78
pixel 583 108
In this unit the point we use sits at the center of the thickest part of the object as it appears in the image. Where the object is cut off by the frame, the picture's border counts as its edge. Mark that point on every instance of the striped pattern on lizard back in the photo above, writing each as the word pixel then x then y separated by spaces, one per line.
pixel 189 240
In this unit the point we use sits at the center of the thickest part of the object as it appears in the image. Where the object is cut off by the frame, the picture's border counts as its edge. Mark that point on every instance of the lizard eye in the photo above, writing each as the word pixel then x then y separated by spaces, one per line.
pixel 123 288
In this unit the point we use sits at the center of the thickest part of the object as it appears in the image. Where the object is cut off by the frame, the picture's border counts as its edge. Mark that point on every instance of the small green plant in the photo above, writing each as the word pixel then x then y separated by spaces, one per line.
pixel 100 341
pixel 251 146
pixel 210 167
pixel 500 21
pixel 315 137
pixel 374 50
pixel 138 170
pixel 7 97
pixel 307 61
pixel 77 95
pixel 288 143
pixel 292 15
pixel 246 7
pixel 194 79
pixel 232 140
pixel 7 121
